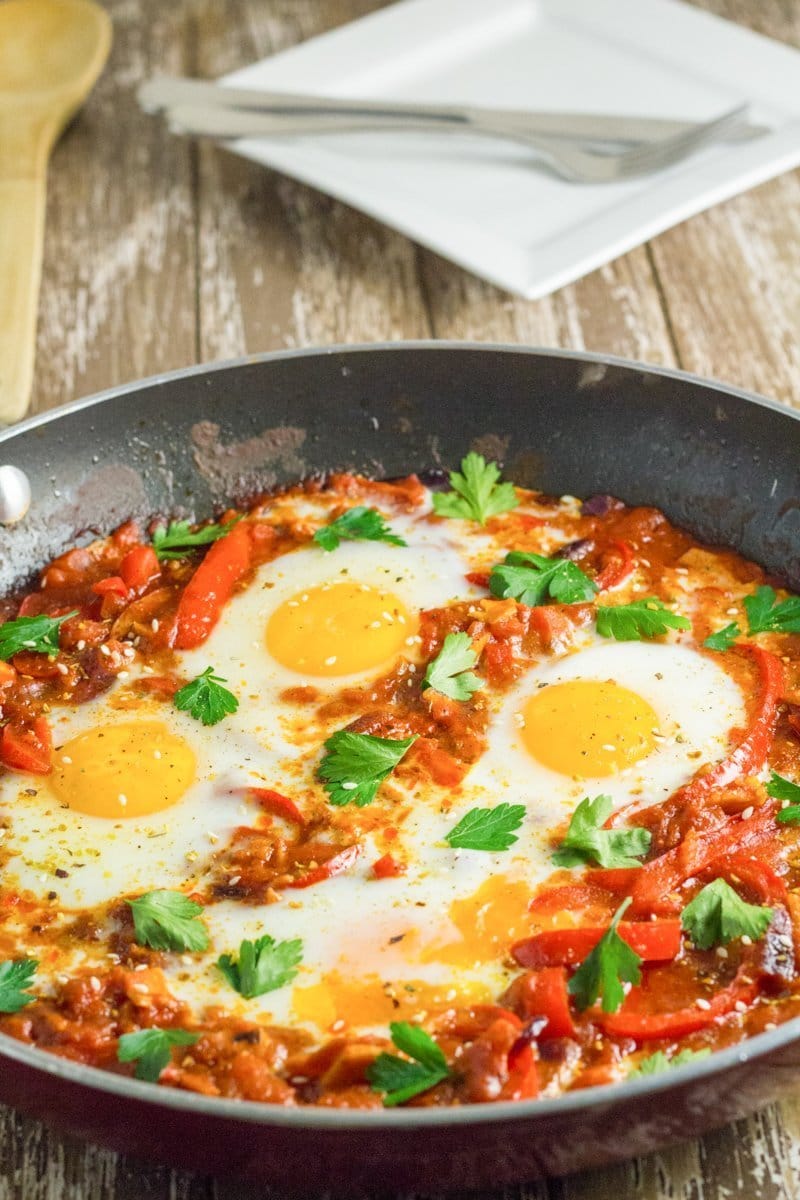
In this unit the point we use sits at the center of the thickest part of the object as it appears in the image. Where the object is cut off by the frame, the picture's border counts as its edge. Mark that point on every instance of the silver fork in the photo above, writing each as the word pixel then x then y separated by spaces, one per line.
pixel 571 161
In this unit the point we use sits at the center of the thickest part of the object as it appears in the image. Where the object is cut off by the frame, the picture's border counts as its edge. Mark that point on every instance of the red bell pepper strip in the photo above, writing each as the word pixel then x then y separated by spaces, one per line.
pixel 617 571
pixel 750 755
pixel 648 1027
pixel 27 749
pixel 114 585
pixel 211 587
pixel 653 941
pixel 334 866
pixel 139 567
pixel 656 880
pixel 756 875
pixel 278 805
pixel 523 1077
pixel 479 578
pixel 388 867
pixel 544 994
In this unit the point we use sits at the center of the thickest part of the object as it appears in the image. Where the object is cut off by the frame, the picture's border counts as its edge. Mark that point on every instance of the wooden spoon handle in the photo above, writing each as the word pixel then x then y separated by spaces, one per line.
pixel 22 207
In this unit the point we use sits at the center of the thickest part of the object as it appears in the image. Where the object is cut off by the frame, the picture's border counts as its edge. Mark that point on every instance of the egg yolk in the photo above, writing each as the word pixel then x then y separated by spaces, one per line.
pixel 338 629
pixel 125 770
pixel 587 727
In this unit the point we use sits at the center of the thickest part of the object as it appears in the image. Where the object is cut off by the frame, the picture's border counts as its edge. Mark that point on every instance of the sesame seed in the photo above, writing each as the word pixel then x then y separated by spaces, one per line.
pixel 155 625
pixel 704 1004
pixel 66 759
pixel 234 879
pixel 746 939
pixel 123 674
pixel 123 799
pixel 722 952
pixel 105 650
pixel 330 660
pixel 747 812
pixel 349 785
pixel 740 1006
pixel 81 645
pixel 62 668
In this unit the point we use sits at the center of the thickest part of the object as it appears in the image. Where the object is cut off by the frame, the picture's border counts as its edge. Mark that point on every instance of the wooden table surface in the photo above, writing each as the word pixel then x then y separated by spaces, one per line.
pixel 161 253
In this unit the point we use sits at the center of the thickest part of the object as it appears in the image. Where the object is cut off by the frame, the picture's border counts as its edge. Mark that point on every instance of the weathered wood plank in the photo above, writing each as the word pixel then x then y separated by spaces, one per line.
pixel 282 265
pixel 731 277
pixel 117 298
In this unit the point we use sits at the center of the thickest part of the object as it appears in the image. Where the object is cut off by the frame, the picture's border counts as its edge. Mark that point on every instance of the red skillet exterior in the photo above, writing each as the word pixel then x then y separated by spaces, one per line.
pixel 721 463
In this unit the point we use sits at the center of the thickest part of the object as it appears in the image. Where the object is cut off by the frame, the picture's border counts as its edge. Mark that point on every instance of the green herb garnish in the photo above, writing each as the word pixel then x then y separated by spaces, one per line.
pixel 357 524
pixel 605 969
pixel 40 634
pixel 150 1050
pixel 177 539
pixel 532 579
pixel 641 618
pixel 169 921
pixel 477 494
pixel 355 765
pixel 206 699
pixel 724 638
pixel 717 915
pixel 400 1079
pixel 657 1063
pixel 450 672
pixel 487 828
pixel 263 965
pixel 781 788
pixel 15 979
pixel 766 614
pixel 587 841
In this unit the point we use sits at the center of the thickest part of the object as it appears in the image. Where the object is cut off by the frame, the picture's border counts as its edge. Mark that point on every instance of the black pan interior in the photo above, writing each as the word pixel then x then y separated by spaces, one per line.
pixel 722 465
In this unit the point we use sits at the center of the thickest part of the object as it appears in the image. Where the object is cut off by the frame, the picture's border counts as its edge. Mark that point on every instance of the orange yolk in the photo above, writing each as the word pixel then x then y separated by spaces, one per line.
pixel 357 1003
pixel 338 629
pixel 588 727
pixel 488 922
pixel 126 770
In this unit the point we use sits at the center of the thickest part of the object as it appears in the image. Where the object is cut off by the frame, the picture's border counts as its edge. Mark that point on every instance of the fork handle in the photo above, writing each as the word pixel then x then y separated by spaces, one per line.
pixel 22 210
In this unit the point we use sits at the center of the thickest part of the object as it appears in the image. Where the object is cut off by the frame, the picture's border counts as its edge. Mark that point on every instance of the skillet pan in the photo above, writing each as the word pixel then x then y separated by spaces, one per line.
pixel 720 462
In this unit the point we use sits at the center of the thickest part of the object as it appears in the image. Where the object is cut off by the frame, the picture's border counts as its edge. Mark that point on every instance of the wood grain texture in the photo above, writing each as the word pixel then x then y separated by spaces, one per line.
pixel 160 253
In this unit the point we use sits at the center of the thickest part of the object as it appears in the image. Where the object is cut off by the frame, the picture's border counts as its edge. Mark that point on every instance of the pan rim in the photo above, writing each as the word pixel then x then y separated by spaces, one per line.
pixel 606 1096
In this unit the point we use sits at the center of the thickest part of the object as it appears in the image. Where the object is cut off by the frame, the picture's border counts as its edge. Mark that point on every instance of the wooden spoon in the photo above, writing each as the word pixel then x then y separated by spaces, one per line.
pixel 51 53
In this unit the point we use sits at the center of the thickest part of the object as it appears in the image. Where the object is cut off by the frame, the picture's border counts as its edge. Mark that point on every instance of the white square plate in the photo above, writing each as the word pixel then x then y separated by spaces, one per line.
pixel 487 205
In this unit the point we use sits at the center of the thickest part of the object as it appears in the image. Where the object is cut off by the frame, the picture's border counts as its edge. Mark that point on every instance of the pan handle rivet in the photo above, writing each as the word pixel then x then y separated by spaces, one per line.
pixel 15 495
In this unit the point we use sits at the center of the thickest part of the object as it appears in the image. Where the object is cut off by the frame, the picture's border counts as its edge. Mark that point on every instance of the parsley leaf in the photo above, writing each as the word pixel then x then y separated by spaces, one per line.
pixel 724 638
pixel 176 540
pixel 605 969
pixel 263 965
pixel 765 614
pixel 40 634
pixel 15 979
pixel 717 915
pixel 168 921
pixel 476 494
pixel 487 828
pixel 588 842
pixel 532 579
pixel 205 699
pixel 401 1080
pixel 356 764
pixel 357 524
pixel 649 617
pixel 150 1050
pixel 657 1063
pixel 449 673
pixel 781 788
